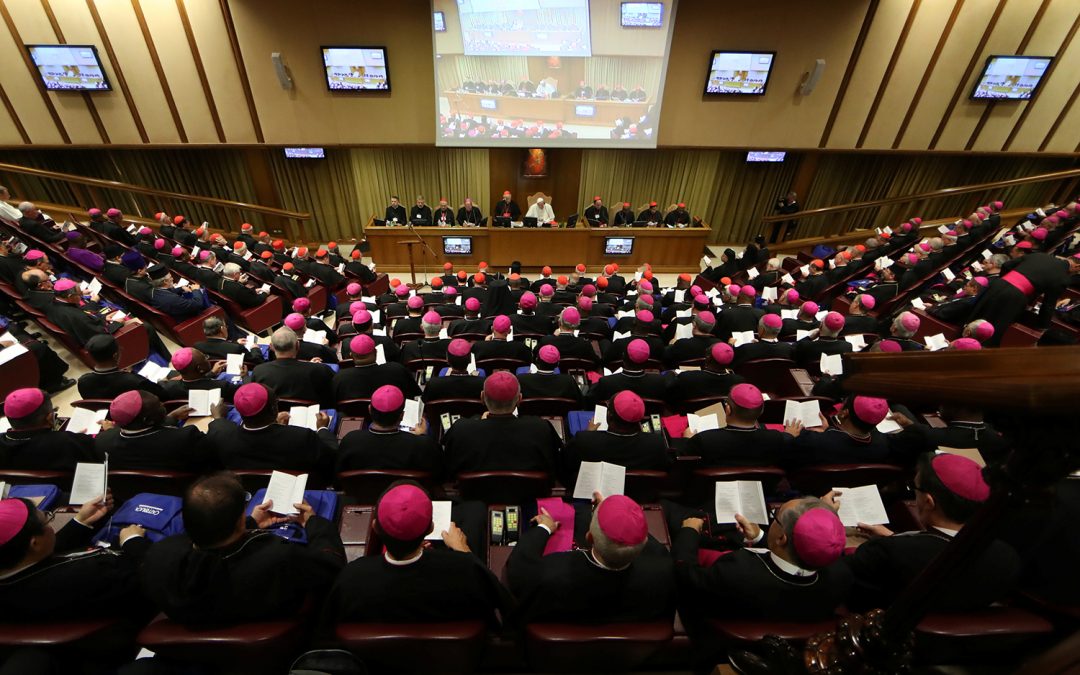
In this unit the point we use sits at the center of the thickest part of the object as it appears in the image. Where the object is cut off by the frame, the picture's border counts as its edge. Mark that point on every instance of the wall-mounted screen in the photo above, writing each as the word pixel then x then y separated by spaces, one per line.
pixel 618 245
pixel 440 22
pixel 642 14
pixel 69 67
pixel 305 153
pixel 551 73
pixel 765 156
pixel 738 73
pixel 1011 77
pixel 457 245
pixel 356 68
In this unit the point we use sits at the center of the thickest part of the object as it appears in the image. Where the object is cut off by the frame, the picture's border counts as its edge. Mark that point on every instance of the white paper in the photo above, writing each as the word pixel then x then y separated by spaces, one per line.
pixel 857 342
pixel 440 516
pixel 943 228
pixel 987 254
pixel 977 267
pixel 600 417
pixel 680 295
pixel 202 400
pixel 368 299
pixel 684 330
pixel 195 253
pixel 623 314
pixel 95 286
pixel 820 316
pixel 444 333
pixel 948 274
pixel 1010 240
pixel 714 291
pixel 618 336
pixel 699 423
pixel 752 272
pixel 13 351
pixel 375 315
pixel 769 293
pixel 304 416
pixel 85 421
pixel 285 490
pixel 831 364
pixel 861 505
pixel 789 314
pixel 315 337
pixel 234 363
pixel 182 283
pixel 743 337
pixel 5 425
pixel 153 371
pixel 413 413
pixel 918 303
pixel 265 288
pixel 806 412
pixel 887 230
pixel 888 426
pixel 607 479
pixel 804 271
pixel 936 342
pixel 684 314
pixel 788 279
pixel 91 482
pixel 745 497
pixel 884 263
pixel 380 354
pixel 802 334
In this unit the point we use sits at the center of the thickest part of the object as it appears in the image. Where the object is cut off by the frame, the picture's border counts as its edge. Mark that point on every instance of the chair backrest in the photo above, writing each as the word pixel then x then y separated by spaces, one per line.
pixel 770 375
pixel 245 647
pixel 491 365
pixel 817 480
pixel 355 407
pixel 92 403
pixel 465 407
pixel 693 404
pixel 61 479
pixel 454 646
pixel 531 199
pixel 126 484
pixel 644 486
pixel 285 403
pixel 367 485
pixel 702 483
pixel 547 407
pixel 504 487
pixel 573 363
pixel 577 648
pixel 416 365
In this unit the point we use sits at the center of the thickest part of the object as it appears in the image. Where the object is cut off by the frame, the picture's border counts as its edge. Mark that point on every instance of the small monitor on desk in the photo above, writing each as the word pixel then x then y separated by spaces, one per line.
pixel 618 245
pixel 489 104
pixel 421 222
pixel 457 245
pixel 584 110
pixel 380 222
pixel 529 222
pixel 572 220
pixel 501 221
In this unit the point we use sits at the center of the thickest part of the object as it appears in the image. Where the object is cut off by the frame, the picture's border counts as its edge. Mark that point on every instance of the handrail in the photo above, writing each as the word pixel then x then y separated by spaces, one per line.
pixel 140 189
pixel 933 194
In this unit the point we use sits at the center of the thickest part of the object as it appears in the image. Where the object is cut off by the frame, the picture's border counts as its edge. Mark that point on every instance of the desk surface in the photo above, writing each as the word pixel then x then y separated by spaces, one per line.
pixel 665 249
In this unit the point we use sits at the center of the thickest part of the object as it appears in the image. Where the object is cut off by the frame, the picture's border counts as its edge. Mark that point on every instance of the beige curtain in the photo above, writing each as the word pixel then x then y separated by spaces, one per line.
pixel 717 186
pixel 453 70
pixel 325 188
pixel 629 71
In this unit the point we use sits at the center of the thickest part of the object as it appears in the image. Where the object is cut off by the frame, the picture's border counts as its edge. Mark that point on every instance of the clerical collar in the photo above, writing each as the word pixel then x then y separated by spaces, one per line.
pixel 402 563
pixel 790 568
pixel 596 562
pixel 114 369
pixel 247 428
pixel 947 532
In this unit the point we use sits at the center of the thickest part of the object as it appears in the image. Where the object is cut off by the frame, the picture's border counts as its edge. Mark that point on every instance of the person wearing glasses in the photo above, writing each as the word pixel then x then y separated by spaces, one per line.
pixel 49 575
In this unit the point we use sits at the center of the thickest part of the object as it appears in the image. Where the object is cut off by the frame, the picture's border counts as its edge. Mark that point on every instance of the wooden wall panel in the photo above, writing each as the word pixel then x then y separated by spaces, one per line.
pixel 1051 100
pixel 29 105
pixel 208 24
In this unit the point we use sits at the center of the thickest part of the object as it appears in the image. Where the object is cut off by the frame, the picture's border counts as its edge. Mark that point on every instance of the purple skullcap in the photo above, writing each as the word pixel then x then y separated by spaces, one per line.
pixel 869 409
pixel 33 254
pixel 387 399
pixel 925 247
pixel 301 305
pixel 707 318
pixel 472 304
pixel 362 345
pixel 353 289
pixel 1024 246
pixel 159 244
pixel 501 323
pixel 961 476
pixel 177 251
pixel 459 347
pixel 911 258
pixel 834 321
pixel 984 331
pixel 982 281
pixel 250 399
pixel 546 290
pixel 867 301
pixel 622 520
pixel 93 212
pixel 501 387
pixel 23 402
pixel 722 353
pixel 404 513
pixel 637 351
pixel 645 285
pixel 431 318
pixel 647 299
pixel 701 301
pixel 628 406
pixel 585 303
pixel 905 227
pixel 889 346
pixel 549 354
pixel 909 321
pixel 126 407
pixel 356 306
pixel 182 358
pixel 401 291
pixel 528 300
pixel 810 308
pixel 145 230
pixel 13 516
pixel 415 302
pixel 818 537
pixel 792 295
pixel 748 291
pixel 966 344
pixel 1039 233
pixel 72 235
pixel 570 316
pixel 695 291
pixel 450 291
pixel 746 396
pixel 588 290
pixel 644 316
pixel 734 289
pixel 772 320
pixel 361 317
pixel 295 321
pixel 112 213
pixel 64 285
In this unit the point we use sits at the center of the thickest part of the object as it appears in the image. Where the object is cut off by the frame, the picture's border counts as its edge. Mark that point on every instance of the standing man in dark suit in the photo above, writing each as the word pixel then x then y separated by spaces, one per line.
pixel 786 205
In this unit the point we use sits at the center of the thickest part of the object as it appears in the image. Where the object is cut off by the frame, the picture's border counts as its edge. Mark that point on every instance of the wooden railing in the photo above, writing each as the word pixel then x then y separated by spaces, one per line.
pixel 225 214
pixel 844 223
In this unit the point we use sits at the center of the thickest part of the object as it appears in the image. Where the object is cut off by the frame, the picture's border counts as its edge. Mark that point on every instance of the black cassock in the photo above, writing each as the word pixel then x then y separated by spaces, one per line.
pixel 596 214
pixel 374 449
pixel 470 217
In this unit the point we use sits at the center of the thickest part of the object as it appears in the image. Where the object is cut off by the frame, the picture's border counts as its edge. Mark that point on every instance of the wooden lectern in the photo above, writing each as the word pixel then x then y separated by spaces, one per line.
pixel 412 261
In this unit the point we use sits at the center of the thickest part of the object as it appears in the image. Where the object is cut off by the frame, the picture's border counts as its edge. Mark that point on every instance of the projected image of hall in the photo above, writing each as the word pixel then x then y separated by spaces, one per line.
pixel 548 73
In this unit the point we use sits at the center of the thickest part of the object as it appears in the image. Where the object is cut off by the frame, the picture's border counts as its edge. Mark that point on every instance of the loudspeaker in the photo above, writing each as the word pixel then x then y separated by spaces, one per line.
pixel 283 73
pixel 811 78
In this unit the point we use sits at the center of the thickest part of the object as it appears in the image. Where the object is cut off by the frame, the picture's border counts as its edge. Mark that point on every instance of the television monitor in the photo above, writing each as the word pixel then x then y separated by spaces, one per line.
pixel 738 73
pixel 305 153
pixel 457 245
pixel 1013 78
pixel 356 68
pixel 765 156
pixel 440 22
pixel 618 245
pixel 489 104
pixel 642 14
pixel 584 110
pixel 69 67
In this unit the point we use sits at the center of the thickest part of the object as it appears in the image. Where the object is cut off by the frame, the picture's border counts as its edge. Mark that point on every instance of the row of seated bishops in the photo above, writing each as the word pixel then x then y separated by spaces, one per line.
pixel 468 214
pixel 584 91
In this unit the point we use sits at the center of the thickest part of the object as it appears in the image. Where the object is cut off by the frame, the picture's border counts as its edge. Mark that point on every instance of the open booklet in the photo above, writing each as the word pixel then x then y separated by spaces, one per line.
pixel 861 505
pixel 804 411
pixel 85 421
pixel 440 516
pixel 285 490
pixel 413 413
pixel 707 422
pixel 745 497
pixel 607 479
pixel 154 372
pixel 304 416
pixel 600 417
pixel 91 482
pixel 202 400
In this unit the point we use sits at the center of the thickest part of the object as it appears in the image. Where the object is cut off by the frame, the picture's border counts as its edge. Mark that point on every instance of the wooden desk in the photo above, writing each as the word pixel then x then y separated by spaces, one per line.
pixel 667 250
pixel 546 109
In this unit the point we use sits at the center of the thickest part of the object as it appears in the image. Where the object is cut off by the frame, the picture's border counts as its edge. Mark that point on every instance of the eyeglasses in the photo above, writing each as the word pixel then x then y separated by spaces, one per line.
pixel 49 516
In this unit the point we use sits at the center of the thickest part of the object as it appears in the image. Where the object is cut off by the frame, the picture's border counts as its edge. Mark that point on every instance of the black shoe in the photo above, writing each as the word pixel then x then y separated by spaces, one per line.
pixel 64 384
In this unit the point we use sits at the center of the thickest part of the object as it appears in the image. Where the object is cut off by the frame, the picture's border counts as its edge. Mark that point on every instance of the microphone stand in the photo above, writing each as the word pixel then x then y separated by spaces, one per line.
pixel 429 250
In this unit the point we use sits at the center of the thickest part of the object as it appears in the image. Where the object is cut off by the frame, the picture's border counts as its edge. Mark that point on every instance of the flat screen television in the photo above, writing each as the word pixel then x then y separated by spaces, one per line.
pixel 457 245
pixel 356 68
pixel 765 156
pixel 489 104
pixel 69 67
pixel 618 245
pixel 1013 78
pixel 642 14
pixel 440 22
pixel 305 153
pixel 739 73
pixel 585 110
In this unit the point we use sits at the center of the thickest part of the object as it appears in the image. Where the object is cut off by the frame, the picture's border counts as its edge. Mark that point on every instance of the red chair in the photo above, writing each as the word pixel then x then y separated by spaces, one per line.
pixel 547 407
pixel 257 319
pixel 577 648
pixel 436 364
pixel 20 372
pixel 245 648
pixel 491 365
pixel 465 407
pixel 451 647
pixel 504 487
pixel 733 632
pixel 367 485
pixel 817 480
pixel 958 637
pixel 644 486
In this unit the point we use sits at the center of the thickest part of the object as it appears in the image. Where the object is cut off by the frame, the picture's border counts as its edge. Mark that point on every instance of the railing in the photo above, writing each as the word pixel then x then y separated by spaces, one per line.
pixel 917 203
pixel 224 214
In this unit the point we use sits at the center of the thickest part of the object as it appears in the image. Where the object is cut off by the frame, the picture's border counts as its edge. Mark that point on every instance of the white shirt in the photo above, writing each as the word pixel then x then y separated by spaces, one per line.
pixel 542 213
pixel 9 212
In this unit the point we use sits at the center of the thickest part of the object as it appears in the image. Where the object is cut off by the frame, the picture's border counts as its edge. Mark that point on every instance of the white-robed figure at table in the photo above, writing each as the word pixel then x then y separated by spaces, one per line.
pixel 542 211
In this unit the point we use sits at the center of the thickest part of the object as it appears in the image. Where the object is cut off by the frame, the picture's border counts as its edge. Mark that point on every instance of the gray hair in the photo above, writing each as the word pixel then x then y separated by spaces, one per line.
pixel 283 340
pixel 872 243
pixel 787 519
pixel 212 326
pixel 824 331
pixel 160 283
pixel 937 244
pixel 700 323
pixel 613 555
pixel 766 331
pixel 898 327
pixel 999 259
pixel 566 324
pixel 773 264
pixel 231 269
pixel 431 329
pixel 26 207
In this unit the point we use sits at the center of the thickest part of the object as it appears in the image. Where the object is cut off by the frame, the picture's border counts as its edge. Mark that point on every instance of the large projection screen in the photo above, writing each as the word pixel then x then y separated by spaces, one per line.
pixel 548 73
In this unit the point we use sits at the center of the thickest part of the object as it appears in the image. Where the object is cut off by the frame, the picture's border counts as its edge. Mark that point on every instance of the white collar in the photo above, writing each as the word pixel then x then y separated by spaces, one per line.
pixel 789 568
pixel 406 561
pixel 946 531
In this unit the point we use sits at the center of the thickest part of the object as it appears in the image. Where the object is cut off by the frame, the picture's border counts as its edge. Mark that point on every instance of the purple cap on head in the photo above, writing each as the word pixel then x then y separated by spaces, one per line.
pixel 431 318
pixel 722 353
pixel 734 289
pixel 834 321
pixel 250 399
pixel 819 538
pixel 404 513
pixel 353 289
pixel 966 344
pixel 472 304
pixel 361 317
pixel 982 281
pixel 707 318
pixel 570 316
pixel 637 351
pixel 159 244
pixel 628 406
pixel 415 302
pixel 1039 233
pixel 126 407
pixel 889 346
pixel 585 303
pixel 748 291
pixel 549 354
pixel 13 516
pixel 910 321
pixel 387 399
pixel 401 291
pixel 23 402
pixel 588 290
pixel 546 290
pixel 459 347
pixel 362 345
pixel 961 476
pixel 792 295
pixel 809 308
pixel 622 520
pixel 501 324
pixel 869 409
pixel 984 331
pixel 93 213
pixel 528 300
pixel 295 321
pixel 64 284
pixel 177 251
pixel 113 213
pixel 450 291
pixel 644 316
pixel 501 387
pixel 746 396
pixel 33 255
pixel 301 305
pixel 772 320
pixel 182 358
